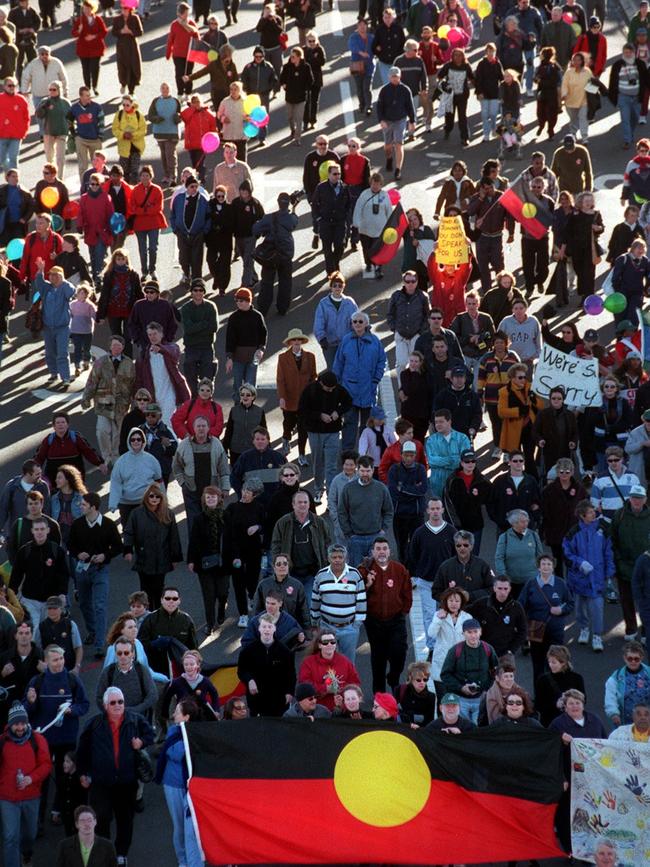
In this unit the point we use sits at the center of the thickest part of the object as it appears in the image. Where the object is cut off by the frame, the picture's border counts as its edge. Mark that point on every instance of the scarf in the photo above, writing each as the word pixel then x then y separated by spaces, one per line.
pixel 20 741
pixel 214 518
pixel 382 445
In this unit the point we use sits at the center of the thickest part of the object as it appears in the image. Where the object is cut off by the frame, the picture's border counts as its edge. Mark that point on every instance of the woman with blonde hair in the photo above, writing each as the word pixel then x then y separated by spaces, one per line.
pixel 231 118
pixel 193 684
pixel 151 541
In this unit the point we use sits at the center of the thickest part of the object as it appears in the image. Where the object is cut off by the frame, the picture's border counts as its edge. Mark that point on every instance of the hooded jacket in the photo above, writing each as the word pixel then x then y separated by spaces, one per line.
pixel 587 543
pixel 359 366
pixel 132 475
pixel 15 756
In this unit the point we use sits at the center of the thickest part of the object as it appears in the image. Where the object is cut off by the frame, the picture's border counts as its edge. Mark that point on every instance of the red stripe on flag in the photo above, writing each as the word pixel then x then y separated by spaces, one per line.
pixel 238 826
pixel 388 251
pixel 514 205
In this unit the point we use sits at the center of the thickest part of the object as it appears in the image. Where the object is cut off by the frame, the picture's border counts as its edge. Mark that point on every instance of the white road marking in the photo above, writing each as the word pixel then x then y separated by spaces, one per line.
pixel 336 19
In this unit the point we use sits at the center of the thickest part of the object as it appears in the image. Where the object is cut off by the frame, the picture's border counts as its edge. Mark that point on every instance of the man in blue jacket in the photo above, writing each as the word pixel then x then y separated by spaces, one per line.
pixel 394 108
pixel 359 366
pixel 407 486
pixel 190 220
pixel 278 230
pixel 330 209
pixel 56 294
pixel 87 118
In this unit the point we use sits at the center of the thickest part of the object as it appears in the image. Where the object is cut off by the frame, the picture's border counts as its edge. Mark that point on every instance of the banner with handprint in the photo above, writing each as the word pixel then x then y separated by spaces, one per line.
pixel 610 801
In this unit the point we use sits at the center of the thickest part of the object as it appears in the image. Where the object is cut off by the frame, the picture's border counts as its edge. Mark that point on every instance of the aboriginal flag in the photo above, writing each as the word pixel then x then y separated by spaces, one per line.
pixel 533 214
pixel 352 791
pixel 198 52
pixel 381 253
pixel 225 680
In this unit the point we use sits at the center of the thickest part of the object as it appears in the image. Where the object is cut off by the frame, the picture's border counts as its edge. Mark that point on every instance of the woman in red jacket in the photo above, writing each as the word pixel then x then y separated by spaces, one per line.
pixel 355 172
pixel 148 220
pixel 198 120
pixel 120 290
pixel 90 32
pixel 204 405
pixel 328 671
pixel 180 35
pixel 594 46
pixel 95 212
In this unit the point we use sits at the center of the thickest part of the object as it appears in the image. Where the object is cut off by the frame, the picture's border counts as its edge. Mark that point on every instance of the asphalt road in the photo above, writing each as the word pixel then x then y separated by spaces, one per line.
pixel 26 405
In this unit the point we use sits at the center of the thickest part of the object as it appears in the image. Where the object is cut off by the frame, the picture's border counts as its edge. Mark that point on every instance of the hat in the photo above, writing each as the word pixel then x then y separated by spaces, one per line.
pixel 151 284
pixel 472 623
pixel 459 370
pixel 594 21
pixel 142 394
pixel 328 378
pixel 644 2
pixel 646 415
pixel 295 334
pixel 56 269
pixel 634 354
pixel 449 698
pixel 590 334
pixel 378 413
pixel 43 49
pixel 152 407
pixel 395 70
pixel 17 714
pixel 304 690
pixel 638 491
pixel 625 325
pixel 409 446
pixel 198 282
pixel 387 701
pixel 54 602
pixel 190 179
pixel 244 293
pixel 468 455
pixel 569 140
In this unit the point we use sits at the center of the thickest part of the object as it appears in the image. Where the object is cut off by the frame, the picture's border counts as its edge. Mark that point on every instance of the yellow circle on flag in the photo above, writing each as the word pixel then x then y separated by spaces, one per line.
pixel 528 210
pixel 382 779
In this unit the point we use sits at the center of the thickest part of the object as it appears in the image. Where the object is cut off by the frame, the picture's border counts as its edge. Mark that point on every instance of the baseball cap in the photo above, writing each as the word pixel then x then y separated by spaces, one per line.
pixel 472 623
pixel 468 455
pixel 450 698
pixel 590 334
pixel 625 325
pixel 569 140
pixel 638 491
pixel 646 415
pixel 409 447
pixel 459 370
pixel 395 70
pixel 53 602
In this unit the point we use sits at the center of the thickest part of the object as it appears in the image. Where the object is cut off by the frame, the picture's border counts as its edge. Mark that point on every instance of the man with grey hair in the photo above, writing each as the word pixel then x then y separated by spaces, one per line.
pixel 464 570
pixel 305 537
pixel 338 601
pixel 560 35
pixel 37 77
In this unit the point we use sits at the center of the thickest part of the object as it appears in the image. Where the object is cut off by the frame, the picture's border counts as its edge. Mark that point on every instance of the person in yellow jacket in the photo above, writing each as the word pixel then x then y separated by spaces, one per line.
pixel 574 95
pixel 130 129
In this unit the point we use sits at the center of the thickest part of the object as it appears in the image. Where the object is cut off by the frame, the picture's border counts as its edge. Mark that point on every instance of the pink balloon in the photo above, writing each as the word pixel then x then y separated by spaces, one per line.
pixel 210 141
pixel 260 123
pixel 568 17
pixel 129 4
pixel 394 196
pixel 454 37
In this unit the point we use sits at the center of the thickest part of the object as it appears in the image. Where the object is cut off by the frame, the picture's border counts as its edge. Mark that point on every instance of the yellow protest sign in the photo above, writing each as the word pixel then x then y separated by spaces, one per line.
pixel 452 246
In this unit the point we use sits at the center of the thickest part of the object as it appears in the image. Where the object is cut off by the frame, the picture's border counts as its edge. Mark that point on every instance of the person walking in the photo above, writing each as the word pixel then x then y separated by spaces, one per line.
pixel 120 290
pixel 147 220
pixel 200 460
pixel 259 77
pixel 296 369
pixel 395 109
pixel 246 337
pixel 90 30
pixel 133 474
pixel 297 80
pixel 338 601
pixel 190 220
pixel 56 294
pixel 127 29
pixel 330 207
pixel 130 129
pixel 95 212
pixel 181 32
pixel 14 120
pixel 87 117
pixel 277 229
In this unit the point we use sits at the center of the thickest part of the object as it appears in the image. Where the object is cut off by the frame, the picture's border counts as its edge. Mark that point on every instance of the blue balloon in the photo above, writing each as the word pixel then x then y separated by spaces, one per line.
pixel 57 222
pixel 15 249
pixel 258 113
pixel 250 130
pixel 117 223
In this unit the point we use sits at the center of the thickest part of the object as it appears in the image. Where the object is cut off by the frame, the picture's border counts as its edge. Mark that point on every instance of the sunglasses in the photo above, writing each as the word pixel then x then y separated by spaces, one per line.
pixel 517 461
pixel 358 321
pixel 613 460
pixel 123 653
pixel 462 544
pixel 141 399
pixel 515 703
pixel 136 440
pixel 327 641
pixel 281 562
pixel 564 472
pixel 154 497
pixel 410 280
pixel 116 701
pixel 468 461
pixel 288 475
pixel 171 598
pixel 239 707
pixel 520 376
pixel 150 292
pixel 633 658
pixel 436 318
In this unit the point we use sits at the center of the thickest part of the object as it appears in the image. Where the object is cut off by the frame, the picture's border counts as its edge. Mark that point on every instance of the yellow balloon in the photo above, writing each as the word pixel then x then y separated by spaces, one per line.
pixel 50 197
pixel 577 29
pixel 529 210
pixel 390 235
pixel 251 102
pixel 324 168
pixel 484 9
pixel 443 31
pixel 472 4
pixel 213 55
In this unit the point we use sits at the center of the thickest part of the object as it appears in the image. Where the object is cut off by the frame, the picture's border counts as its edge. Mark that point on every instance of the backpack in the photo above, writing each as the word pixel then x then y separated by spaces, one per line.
pixel 71 433
pixel 266 253
pixel 458 649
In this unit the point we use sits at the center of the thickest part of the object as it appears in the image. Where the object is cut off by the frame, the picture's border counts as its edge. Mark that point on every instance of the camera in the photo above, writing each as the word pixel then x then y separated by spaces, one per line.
pixel 296 197
pixel 484 341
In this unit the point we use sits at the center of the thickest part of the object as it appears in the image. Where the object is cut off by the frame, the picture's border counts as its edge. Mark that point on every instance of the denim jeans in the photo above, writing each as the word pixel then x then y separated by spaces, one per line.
pixel 429 607
pixel 56 350
pixel 530 68
pixel 590 612
pixel 383 69
pixel 628 107
pixel 37 610
pixel 359 547
pixel 354 418
pixel 92 585
pixel 469 708
pixel 325 454
pixel 489 115
pixel 9 148
pixel 148 247
pixel 363 84
pixel 97 255
pixel 177 805
pixel 19 821
pixel 348 638
pixel 81 343
pixel 242 371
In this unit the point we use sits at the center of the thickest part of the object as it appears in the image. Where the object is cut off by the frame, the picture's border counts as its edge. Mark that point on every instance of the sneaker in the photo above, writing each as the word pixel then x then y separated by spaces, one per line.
pixel 642 119
pixel 398 174
pixel 285 447
pixel 123 91
pixel 242 623
pixel 379 274
pixel 303 461
pixel 496 452
pixel 318 498
pixel 583 638
pixel 597 644
pixel 89 639
pixel 631 636
pixel 314 242
pixel 368 269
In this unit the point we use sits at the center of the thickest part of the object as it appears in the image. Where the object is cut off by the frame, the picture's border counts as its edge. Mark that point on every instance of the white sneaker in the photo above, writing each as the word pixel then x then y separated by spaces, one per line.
pixel 597 644
pixel 631 636
pixel 496 452
pixel 642 119
pixel 583 638
pixel 242 623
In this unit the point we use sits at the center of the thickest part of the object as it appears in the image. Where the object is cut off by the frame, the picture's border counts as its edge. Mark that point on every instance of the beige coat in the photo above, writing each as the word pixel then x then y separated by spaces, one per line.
pixel 110 392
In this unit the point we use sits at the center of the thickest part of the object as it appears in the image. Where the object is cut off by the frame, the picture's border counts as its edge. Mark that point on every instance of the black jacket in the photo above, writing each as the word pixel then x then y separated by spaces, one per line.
pixel 310 176
pixel 475 576
pixel 505 497
pixel 464 406
pixel 103 538
pixel 388 42
pixel 245 215
pixel 614 77
pixel 463 329
pixel 159 623
pixel 273 670
pixel 329 208
pixel 279 226
pixel 463 506
pixel 314 400
pixel 504 624
pixel 488 77
pixel 155 546
pixel 101 855
pixel 40 571
pixel 95 756
pixel 222 223
pixel 296 80
pixel 245 328
pixel 163 454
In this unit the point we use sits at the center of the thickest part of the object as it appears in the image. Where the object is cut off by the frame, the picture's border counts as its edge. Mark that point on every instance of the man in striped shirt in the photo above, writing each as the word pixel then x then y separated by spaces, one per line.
pixel 338 601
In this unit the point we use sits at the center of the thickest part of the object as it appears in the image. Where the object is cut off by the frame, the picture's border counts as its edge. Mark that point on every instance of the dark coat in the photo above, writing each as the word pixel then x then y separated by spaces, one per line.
pixel 463 506
pixel 95 756
pixel 504 624
pixel 327 207
pixel 475 577
pixel 296 80
pixel 101 855
pixel 505 497
pixel 549 688
pixel 557 429
pixel 155 546
pixel 273 670
pixel 559 509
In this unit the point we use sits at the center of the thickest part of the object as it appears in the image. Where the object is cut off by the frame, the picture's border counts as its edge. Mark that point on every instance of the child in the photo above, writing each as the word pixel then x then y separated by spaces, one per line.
pixel 75 268
pixel 82 323
pixel 590 564
pixel 71 793
pixel 139 606
pixel 376 436
pixel 510 94
pixel 510 130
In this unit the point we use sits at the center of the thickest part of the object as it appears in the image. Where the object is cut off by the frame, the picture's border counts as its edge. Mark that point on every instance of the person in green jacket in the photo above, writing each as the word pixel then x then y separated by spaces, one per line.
pixel 200 325
pixel 629 532
pixel 54 113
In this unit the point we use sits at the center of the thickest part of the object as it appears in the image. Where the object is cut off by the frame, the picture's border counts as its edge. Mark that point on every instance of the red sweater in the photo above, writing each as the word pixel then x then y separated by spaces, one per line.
pixel 36 248
pixel 149 214
pixel 448 293
pixel 96 28
pixel 197 122
pixel 183 419
pixel 598 62
pixel 317 671
pixel 178 39
pixel 95 213
pixel 393 455
pixel 64 447
pixel 356 170
pixel 21 756
pixel 14 116
pixel 390 594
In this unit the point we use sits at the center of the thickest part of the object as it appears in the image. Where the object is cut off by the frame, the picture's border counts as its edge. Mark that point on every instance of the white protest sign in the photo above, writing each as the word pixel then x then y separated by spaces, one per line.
pixel 577 376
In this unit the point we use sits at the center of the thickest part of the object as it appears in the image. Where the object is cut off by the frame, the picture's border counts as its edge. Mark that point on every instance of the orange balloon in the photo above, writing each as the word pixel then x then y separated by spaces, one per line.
pixel 50 197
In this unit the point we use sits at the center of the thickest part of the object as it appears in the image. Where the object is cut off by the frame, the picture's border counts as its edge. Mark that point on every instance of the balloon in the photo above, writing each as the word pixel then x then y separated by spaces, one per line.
pixel 390 235
pixel 484 9
pixel 117 223
pixel 568 17
pixel 15 249
pixel 50 197
pixel 616 302
pixel 593 305
pixel 577 29
pixel 323 169
pixel 394 196
pixel 70 211
pixel 250 130
pixel 210 141
pixel 261 123
pixel 258 113
pixel 528 210
pixel 472 4
pixel 213 55
pixel 443 31
pixel 57 222
pixel 251 102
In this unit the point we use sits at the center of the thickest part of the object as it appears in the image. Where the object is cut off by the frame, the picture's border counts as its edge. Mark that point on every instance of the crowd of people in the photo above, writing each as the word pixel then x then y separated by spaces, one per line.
pixel 331 535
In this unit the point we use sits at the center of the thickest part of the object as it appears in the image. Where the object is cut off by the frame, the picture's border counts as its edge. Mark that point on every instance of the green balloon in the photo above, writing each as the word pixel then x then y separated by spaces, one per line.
pixel 616 302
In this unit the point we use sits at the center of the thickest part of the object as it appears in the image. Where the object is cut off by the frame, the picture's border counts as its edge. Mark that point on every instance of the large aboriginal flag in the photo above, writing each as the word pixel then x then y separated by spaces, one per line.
pixel 335 791
pixel 534 216
pixel 381 252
